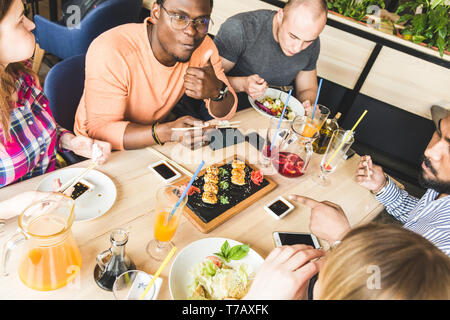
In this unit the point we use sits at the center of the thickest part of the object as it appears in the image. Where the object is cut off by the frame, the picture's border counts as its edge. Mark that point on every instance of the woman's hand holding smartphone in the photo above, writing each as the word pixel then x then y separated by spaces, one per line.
pixel 285 273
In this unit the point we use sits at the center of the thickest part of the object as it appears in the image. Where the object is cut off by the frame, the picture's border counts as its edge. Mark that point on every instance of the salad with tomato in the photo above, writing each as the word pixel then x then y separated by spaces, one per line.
pixel 275 107
pixel 217 279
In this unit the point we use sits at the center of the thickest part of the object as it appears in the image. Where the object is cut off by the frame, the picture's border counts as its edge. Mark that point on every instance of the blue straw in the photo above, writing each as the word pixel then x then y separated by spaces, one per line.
pixel 281 119
pixel 187 189
pixel 317 99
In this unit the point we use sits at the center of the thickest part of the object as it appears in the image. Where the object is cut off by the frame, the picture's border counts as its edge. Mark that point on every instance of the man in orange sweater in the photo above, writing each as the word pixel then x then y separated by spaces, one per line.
pixel 136 73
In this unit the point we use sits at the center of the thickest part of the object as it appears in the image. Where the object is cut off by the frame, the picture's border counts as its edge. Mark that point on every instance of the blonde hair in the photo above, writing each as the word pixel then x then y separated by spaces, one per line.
pixel 8 76
pixel 409 266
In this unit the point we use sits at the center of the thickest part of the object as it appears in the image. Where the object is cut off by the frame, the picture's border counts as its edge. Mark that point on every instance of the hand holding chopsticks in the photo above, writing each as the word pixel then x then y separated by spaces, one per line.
pixel 220 125
pixel 370 176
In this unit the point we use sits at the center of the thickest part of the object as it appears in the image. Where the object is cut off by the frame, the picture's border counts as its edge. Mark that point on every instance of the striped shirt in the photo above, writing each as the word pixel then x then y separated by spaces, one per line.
pixel 427 216
pixel 34 135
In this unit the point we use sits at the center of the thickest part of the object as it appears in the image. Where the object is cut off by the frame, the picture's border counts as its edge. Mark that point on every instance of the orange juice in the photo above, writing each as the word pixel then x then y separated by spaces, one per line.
pixel 310 129
pixel 53 263
pixel 165 230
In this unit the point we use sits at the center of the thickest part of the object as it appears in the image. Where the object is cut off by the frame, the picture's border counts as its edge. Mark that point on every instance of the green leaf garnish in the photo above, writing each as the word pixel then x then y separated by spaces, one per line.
pixel 224 185
pixel 237 252
pixel 224 200
pixel 223 171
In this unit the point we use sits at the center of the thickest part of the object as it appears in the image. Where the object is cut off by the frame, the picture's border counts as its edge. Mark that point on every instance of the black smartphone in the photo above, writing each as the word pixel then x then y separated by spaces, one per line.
pixel 255 140
pixel 350 153
pixel 222 138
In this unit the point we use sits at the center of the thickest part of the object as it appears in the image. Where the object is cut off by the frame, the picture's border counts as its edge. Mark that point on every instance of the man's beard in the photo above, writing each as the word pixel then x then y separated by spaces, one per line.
pixel 182 60
pixel 443 187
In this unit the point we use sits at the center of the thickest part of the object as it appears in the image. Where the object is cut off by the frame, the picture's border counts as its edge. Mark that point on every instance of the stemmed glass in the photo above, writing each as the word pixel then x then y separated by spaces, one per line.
pixel 164 225
pixel 334 155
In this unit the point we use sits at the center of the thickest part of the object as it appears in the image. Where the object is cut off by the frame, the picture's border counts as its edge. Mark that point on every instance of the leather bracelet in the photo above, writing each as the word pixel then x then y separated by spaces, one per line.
pixel 154 135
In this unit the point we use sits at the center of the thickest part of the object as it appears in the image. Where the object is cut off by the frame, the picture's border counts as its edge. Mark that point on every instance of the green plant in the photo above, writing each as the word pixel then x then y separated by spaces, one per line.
pixel 430 27
pixel 353 8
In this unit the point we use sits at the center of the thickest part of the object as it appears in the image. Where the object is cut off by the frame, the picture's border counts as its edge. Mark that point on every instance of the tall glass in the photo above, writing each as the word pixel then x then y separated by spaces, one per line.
pixel 337 148
pixel 165 226
pixel 320 116
pixel 273 141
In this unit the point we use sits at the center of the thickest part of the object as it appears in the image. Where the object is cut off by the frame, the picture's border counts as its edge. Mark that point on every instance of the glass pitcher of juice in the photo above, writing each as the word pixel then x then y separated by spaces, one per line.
pixel 295 152
pixel 51 258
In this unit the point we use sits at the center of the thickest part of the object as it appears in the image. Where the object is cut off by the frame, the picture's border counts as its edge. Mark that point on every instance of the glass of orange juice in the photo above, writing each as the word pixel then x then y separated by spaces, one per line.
pixel 320 116
pixel 165 224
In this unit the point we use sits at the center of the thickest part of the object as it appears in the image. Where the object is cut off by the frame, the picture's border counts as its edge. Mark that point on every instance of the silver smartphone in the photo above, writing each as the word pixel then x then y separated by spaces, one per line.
pixel 291 238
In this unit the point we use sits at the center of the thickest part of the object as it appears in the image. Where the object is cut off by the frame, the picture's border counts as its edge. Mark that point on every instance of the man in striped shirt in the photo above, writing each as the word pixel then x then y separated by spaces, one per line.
pixel 428 216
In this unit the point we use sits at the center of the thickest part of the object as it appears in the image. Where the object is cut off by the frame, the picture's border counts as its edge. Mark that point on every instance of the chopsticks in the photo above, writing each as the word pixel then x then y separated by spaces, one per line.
pixel 368 170
pixel 282 88
pixel 75 180
pixel 221 125
pixel 170 161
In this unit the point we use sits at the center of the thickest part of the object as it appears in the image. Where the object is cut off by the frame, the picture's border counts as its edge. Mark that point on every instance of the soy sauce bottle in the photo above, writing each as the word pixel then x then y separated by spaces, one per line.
pixel 114 261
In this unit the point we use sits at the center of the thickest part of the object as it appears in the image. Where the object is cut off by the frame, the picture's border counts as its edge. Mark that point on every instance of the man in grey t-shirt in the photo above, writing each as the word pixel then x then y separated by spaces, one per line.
pixel 265 47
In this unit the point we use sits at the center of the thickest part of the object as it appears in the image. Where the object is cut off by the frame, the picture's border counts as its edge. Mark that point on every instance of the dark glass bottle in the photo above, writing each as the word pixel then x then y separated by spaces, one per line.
pixel 321 143
pixel 114 261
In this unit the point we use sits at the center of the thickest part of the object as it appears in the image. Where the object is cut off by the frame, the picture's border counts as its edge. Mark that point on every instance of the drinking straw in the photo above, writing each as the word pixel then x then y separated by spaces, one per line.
pixel 317 99
pixel 347 136
pixel 158 272
pixel 186 189
pixel 281 119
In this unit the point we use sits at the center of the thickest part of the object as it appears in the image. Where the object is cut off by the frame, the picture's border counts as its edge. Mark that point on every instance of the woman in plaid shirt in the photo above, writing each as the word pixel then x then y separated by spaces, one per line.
pixel 29 136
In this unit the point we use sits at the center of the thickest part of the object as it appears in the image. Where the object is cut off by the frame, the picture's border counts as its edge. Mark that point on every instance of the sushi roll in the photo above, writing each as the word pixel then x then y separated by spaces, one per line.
pixel 212 170
pixel 238 165
pixel 211 187
pixel 209 197
pixel 210 178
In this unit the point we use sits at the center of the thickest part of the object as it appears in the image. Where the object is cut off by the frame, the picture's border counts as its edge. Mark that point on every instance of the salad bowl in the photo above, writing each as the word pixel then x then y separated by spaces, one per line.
pixel 272 103
pixel 180 276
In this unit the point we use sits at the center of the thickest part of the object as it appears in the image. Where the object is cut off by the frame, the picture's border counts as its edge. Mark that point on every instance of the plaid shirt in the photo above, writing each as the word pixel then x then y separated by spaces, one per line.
pixel 34 135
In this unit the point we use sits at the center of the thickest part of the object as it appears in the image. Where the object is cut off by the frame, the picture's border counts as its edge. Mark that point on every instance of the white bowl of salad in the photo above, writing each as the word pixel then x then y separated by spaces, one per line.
pixel 272 104
pixel 213 269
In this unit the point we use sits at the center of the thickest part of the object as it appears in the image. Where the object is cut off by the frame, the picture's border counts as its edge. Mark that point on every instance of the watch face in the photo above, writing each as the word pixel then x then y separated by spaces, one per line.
pixel 221 93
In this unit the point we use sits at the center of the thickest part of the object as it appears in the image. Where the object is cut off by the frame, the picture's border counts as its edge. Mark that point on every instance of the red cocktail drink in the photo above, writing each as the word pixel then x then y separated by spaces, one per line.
pixel 289 164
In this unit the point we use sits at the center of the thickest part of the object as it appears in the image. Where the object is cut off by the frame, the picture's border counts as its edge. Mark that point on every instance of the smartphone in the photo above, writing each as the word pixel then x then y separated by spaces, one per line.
pixel 279 208
pixel 291 238
pixel 164 171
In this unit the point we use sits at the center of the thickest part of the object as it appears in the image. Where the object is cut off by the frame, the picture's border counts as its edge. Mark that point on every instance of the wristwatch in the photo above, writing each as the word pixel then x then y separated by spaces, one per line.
pixel 222 93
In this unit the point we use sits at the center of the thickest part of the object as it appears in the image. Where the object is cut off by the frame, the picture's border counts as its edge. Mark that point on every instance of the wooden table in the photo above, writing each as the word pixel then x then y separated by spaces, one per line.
pixel 134 207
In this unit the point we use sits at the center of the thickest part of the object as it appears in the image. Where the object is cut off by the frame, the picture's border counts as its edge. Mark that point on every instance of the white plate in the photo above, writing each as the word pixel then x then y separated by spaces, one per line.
pixel 295 105
pixel 180 277
pixel 91 204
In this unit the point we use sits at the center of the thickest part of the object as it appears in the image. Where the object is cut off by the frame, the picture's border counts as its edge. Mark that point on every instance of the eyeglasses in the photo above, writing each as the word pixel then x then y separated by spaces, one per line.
pixel 181 22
